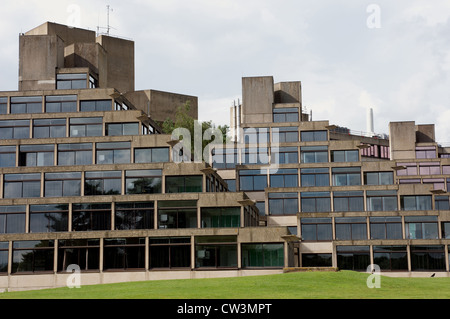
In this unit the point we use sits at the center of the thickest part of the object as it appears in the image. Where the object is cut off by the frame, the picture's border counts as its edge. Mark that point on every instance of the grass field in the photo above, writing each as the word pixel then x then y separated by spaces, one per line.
pixel 300 285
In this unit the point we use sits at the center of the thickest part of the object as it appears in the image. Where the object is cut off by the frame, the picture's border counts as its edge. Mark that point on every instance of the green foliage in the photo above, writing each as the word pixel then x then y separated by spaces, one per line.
pixel 184 120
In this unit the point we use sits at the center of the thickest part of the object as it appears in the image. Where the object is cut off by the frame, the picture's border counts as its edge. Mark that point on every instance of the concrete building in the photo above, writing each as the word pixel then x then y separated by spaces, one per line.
pixel 351 199
pixel 87 180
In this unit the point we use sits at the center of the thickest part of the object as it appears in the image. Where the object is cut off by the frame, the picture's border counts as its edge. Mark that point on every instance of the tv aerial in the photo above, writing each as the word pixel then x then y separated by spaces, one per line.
pixel 108 26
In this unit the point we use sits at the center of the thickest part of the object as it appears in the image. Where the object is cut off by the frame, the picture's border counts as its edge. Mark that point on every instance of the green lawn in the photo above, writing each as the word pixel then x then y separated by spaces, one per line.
pixel 303 285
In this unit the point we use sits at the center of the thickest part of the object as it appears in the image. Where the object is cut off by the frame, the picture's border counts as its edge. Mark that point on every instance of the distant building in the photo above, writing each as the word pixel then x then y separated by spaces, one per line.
pixel 87 179
pixel 352 199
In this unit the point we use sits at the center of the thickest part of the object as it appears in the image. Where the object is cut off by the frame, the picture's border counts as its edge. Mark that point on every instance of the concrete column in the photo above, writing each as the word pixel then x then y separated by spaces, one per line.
pixel 334 254
pixel 408 253
pixel 10 256
pixel 155 214
pixel 55 257
pixel 446 258
pixel 27 218
pixel 239 259
pixel 147 254
pixel 286 254
pixel 113 209
pixel 100 266
pixel 69 217
pixel 192 252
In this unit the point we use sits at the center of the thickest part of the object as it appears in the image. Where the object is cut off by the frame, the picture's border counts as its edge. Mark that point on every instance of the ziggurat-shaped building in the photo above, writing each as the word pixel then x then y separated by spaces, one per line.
pixel 88 179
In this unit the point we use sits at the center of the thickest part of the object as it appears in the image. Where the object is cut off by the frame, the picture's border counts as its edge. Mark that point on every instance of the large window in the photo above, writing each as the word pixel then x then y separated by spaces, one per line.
pixel 284 155
pixel 315 202
pixel 345 156
pixel 313 136
pixel 61 104
pixel 184 184
pixel 45 128
pixel 255 155
pixel 49 218
pixel 215 252
pixel 62 184
pixel 12 219
pixel 441 203
pixel 71 81
pixel 285 134
pixel 378 178
pixel 124 253
pixel 317 260
pixel 151 155
pixel 262 255
pixel 252 180
pixel 429 168
pixel 348 201
pixel 75 154
pixel 82 252
pixel 346 176
pixel 26 104
pixel 283 177
pixel 389 227
pixel 177 214
pixel 36 155
pixel 21 185
pixel 311 177
pixel 390 257
pixel 353 257
pixel 221 217
pixel 113 152
pixel 283 203
pixel 173 252
pixel 285 114
pixel 3 105
pixel 381 200
pixel 143 181
pixel 33 256
pixel 430 257
pixel 4 247
pixel 87 217
pixel 8 156
pixel 85 126
pixel 224 158
pixel 118 129
pixel 14 129
pixel 314 154
pixel 316 229
pixel 408 170
pixel 351 228
pixel 421 227
pixel 415 202
pixel 255 135
pixel 136 215
pixel 103 183
pixel 426 152
pixel 96 105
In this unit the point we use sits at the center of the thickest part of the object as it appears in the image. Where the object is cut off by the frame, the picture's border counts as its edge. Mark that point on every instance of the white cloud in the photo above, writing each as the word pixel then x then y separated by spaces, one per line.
pixel 204 47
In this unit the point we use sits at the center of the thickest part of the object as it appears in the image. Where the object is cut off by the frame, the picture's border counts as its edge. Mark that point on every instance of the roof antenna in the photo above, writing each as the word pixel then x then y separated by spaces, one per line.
pixel 107 21
pixel 108 27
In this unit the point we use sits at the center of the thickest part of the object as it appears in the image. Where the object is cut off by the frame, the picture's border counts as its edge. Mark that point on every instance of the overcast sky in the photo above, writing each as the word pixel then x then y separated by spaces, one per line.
pixel 392 56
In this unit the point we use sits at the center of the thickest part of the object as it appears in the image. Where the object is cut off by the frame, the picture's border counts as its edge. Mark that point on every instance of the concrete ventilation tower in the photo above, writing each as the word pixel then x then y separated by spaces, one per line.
pixel 370 130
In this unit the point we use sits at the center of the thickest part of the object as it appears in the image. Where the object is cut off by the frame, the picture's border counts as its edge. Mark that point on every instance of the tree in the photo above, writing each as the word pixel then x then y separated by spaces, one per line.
pixel 184 120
